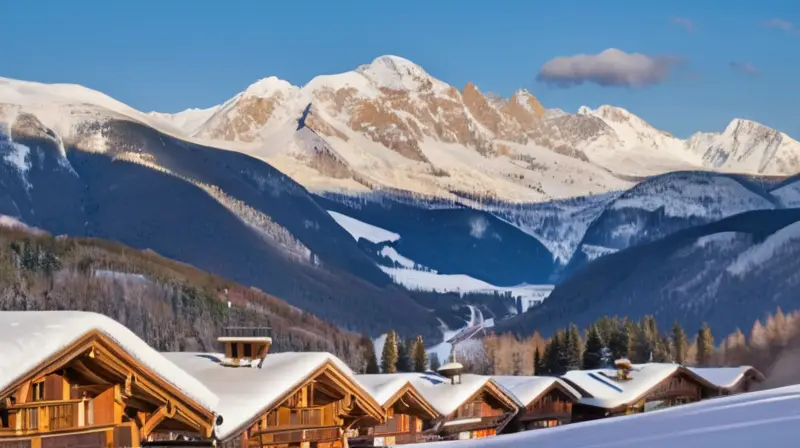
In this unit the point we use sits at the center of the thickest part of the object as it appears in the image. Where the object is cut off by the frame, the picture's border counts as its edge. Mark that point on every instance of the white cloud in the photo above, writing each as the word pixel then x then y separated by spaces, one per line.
pixel 610 68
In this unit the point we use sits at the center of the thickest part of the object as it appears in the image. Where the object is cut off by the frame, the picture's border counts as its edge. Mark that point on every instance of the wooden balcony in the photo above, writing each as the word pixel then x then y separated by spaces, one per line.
pixel 41 417
pixel 558 410
pixel 391 439
pixel 296 435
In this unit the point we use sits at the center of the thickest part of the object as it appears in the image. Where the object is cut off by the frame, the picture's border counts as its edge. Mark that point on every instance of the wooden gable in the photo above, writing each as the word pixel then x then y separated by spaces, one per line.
pixel 320 410
pixel 95 385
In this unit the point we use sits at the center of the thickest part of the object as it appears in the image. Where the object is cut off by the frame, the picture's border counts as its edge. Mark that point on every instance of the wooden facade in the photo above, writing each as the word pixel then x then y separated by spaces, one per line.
pixel 318 414
pixel 681 387
pixel 485 414
pixel 553 407
pixel 409 419
pixel 750 378
pixel 94 394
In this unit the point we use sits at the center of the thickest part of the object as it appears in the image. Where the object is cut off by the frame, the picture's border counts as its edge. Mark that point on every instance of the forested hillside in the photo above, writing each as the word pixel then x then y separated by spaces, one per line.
pixel 171 305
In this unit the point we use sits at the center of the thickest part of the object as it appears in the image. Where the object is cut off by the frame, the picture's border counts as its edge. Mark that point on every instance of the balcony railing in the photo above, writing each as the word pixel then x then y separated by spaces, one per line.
pixel 247 332
pixel 548 410
pixel 299 435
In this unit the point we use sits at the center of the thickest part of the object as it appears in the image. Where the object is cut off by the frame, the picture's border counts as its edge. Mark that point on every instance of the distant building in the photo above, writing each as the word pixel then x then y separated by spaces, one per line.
pixel 545 401
pixel 730 380
pixel 631 389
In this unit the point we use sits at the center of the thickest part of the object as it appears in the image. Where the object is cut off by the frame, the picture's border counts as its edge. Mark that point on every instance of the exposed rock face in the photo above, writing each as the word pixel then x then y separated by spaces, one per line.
pixel 395 103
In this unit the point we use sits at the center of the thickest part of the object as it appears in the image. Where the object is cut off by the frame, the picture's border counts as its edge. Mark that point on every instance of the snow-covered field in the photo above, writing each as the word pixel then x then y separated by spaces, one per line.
pixel 766 419
pixel 416 277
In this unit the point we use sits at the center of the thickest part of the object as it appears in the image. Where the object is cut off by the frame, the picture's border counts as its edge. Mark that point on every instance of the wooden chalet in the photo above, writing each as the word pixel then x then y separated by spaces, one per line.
pixel 409 417
pixel 308 400
pixel 730 380
pixel 545 401
pixel 632 389
pixel 77 379
pixel 470 406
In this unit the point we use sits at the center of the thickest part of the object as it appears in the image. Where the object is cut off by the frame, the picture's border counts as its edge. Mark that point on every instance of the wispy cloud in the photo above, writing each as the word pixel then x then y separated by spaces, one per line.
pixel 683 22
pixel 610 68
pixel 743 67
pixel 780 24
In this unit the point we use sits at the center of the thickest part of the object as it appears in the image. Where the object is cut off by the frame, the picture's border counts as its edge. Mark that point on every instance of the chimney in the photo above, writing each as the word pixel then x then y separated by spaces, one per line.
pixel 245 346
pixel 452 369
pixel 624 368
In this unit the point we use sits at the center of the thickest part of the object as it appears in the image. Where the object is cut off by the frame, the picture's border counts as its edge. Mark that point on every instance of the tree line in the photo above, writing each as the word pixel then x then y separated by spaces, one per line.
pixel 172 306
pixel 400 355
pixel 768 343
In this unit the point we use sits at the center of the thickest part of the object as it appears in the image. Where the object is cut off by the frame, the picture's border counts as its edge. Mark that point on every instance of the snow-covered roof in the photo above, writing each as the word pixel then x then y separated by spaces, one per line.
pixel 724 377
pixel 246 392
pixel 606 392
pixel 31 338
pixel 384 387
pixel 527 388
pixel 444 396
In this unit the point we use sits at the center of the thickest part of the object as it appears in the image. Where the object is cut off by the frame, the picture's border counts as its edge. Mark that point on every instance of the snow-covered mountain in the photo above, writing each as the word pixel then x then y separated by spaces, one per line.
pixel 390 124
pixel 476 194
pixel 726 273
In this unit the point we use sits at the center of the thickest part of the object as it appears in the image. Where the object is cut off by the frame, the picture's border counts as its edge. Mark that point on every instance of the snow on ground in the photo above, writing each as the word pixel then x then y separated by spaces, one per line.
pixel 460 283
pixel 592 252
pixel 391 253
pixel 14 223
pixel 121 276
pixel 762 252
pixel 722 238
pixel 688 197
pixel 359 229
pixel 767 418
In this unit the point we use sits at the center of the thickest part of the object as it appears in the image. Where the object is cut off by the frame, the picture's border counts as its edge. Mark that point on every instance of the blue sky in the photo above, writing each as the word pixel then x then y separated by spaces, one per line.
pixel 169 55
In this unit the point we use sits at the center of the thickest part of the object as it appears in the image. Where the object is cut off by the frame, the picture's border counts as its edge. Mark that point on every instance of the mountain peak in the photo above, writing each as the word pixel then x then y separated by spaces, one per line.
pixel 528 101
pixel 395 73
pixel 266 87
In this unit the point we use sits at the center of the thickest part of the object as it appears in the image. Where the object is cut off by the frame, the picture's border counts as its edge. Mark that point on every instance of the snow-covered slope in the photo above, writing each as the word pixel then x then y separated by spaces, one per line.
pixel 764 418
pixel 747 147
pixel 186 121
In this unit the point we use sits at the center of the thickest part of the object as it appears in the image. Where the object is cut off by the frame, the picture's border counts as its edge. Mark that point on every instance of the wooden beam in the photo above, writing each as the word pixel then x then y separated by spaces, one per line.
pixel 164 412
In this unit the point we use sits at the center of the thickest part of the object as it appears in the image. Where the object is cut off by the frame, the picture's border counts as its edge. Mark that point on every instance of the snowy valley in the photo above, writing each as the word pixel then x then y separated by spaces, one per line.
pixel 387 189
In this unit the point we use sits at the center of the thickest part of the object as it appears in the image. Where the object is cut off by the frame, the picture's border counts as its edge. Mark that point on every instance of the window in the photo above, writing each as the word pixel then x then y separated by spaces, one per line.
pixel 234 350
pixel 37 394
pixel 248 350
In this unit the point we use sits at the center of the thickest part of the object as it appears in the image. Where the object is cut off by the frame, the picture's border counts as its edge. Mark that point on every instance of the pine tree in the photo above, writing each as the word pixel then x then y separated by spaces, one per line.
pixel 705 345
pixel 404 362
pixel 663 350
pixel 419 356
pixel 560 353
pixel 593 354
pixel 679 343
pixel 372 361
pixel 389 353
pixel 435 363
pixel 537 362
pixel 554 355
pixel 574 349
pixel 618 344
